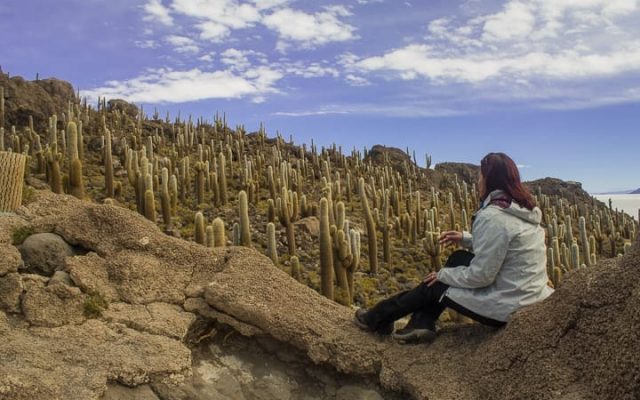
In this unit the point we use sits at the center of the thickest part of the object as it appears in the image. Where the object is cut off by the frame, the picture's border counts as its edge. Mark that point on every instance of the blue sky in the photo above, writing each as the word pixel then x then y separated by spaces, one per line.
pixel 554 83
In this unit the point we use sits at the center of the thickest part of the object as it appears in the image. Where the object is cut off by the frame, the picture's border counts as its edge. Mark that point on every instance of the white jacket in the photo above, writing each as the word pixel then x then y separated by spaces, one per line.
pixel 509 268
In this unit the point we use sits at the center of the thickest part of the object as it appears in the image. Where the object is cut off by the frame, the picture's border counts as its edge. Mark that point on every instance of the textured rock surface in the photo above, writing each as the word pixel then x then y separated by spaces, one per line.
pixel 580 343
pixel 39 99
pixel 45 253
pixel 10 292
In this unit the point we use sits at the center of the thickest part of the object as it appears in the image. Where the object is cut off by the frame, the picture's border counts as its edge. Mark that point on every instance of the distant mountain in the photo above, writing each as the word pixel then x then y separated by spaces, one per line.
pixel 619 192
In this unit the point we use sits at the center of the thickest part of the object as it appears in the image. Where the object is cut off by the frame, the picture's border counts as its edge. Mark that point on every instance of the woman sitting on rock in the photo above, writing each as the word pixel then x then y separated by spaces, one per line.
pixel 506 271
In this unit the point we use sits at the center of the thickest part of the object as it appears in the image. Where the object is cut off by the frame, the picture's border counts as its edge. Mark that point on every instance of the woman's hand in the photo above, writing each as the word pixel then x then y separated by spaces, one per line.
pixel 431 278
pixel 450 237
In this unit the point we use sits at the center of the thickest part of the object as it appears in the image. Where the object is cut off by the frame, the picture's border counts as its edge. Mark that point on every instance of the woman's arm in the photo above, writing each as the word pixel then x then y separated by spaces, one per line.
pixel 490 244
pixel 467 240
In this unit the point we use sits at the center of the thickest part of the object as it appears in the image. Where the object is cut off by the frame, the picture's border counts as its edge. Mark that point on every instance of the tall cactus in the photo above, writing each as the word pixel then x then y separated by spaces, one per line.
pixel 433 248
pixel 199 227
pixel 76 187
pixel 219 239
pixel 584 239
pixel 149 199
pixel 342 259
pixel 272 249
pixel 222 179
pixel 371 228
pixel 245 228
pixel 296 272
pixel 108 165
pixel 326 251
pixel 286 216
pixel 165 199
pixel 12 166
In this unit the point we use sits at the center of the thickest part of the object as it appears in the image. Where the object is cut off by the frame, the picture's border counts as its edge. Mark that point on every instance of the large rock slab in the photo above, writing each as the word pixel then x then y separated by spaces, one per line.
pixel 156 318
pixel 76 361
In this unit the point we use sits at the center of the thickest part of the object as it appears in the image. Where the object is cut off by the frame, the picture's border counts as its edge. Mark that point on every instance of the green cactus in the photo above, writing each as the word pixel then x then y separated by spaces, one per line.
pixel 296 272
pixel 219 237
pixel 326 251
pixel 584 241
pixel 342 259
pixel 149 200
pixel 371 228
pixel 245 228
pixel 199 228
pixel 575 255
pixel 433 247
pixel 210 239
pixel 108 165
pixel 165 200
pixel 222 178
pixel 272 249
pixel 200 182
pixel 55 178
pixel 76 186
pixel 550 261
pixel 286 216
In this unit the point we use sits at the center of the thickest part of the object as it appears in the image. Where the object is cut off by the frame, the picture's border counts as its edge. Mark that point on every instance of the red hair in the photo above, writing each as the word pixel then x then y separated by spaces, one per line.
pixel 500 172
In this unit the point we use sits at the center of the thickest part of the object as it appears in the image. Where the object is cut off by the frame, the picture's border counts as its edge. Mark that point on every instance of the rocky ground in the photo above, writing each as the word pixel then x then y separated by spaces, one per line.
pixel 130 313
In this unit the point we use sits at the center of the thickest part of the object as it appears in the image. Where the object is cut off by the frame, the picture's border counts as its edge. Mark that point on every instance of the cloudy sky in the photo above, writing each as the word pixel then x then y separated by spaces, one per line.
pixel 554 83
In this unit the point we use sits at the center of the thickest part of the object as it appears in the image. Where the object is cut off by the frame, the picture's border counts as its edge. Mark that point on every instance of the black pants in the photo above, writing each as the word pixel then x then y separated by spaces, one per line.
pixel 424 303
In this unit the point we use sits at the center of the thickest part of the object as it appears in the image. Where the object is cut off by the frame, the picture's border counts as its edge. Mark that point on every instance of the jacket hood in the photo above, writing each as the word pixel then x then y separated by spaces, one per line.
pixel 531 216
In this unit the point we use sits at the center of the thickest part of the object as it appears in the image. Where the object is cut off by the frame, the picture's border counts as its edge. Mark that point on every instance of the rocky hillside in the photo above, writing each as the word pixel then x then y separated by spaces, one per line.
pixel 122 315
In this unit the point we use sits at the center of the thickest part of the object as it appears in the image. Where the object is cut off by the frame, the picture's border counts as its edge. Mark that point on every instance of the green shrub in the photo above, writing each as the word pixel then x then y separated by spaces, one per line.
pixel 94 305
pixel 19 235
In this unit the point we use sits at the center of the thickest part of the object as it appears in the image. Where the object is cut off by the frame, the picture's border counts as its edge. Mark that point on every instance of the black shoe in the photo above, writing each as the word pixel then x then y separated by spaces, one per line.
pixel 361 321
pixel 414 334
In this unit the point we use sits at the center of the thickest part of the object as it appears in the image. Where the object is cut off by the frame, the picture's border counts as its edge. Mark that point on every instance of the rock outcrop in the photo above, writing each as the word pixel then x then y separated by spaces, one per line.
pixel 57 343
pixel 39 99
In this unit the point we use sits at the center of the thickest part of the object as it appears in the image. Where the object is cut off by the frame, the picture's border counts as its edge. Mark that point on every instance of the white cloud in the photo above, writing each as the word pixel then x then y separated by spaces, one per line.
pixel 169 86
pixel 237 59
pixel 355 80
pixel 312 70
pixel 155 11
pixel 307 113
pixel 217 18
pixel 146 44
pixel 423 109
pixel 525 50
pixel 310 30
pixel 515 21
pixel 207 57
pixel 183 44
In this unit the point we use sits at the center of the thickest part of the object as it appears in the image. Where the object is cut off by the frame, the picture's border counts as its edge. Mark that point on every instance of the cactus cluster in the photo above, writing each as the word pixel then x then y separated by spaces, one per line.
pixel 257 186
